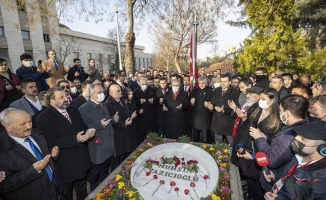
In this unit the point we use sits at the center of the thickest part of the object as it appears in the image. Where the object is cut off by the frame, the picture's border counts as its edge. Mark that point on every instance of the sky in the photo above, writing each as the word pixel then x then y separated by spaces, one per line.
pixel 227 36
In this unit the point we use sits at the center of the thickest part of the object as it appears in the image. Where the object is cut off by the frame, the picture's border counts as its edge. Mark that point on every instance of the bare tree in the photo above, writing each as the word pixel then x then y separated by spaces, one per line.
pixel 66 46
pixel 174 22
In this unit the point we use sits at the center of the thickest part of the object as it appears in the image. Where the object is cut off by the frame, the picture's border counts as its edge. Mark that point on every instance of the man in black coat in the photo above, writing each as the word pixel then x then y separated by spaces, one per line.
pixel 160 114
pixel 201 116
pixel 222 123
pixel 176 102
pixel 144 97
pixel 77 71
pixel 188 113
pixel 101 147
pixel 124 137
pixel 26 160
pixel 83 97
pixel 261 78
pixel 65 128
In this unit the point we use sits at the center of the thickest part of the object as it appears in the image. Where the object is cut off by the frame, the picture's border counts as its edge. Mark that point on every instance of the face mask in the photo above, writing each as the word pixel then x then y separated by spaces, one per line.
pixel 28 63
pixel 100 97
pixel 175 89
pixel 73 90
pixel 217 85
pixel 284 121
pixel 263 104
pixel 297 147
pixel 144 87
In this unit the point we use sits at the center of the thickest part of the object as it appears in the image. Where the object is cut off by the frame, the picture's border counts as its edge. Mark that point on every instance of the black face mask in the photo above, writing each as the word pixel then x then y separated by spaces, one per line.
pixel 260 77
pixel 297 147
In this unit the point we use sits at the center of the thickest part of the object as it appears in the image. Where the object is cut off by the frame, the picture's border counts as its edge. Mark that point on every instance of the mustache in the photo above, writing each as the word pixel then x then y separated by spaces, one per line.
pixel 27 130
pixel 35 91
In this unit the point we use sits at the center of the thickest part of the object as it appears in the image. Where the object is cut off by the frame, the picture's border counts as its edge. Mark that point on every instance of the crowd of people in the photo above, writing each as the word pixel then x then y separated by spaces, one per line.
pixel 64 126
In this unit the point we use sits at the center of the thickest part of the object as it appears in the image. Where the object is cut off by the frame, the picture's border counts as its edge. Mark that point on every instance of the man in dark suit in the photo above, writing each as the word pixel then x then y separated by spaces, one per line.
pixel 145 97
pixel 222 123
pixel 64 84
pixel 101 147
pixel 77 71
pixel 161 115
pixel 188 113
pixel 83 97
pixel 124 138
pixel 120 80
pixel 201 116
pixel 26 160
pixel 136 84
pixel 175 103
pixel 65 128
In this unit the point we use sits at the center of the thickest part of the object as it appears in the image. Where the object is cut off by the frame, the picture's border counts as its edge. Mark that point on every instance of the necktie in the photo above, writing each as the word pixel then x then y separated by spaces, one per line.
pixel 223 91
pixel 39 156
pixel 69 100
pixel 55 64
pixel 120 103
pixel 186 89
pixel 65 114
pixel 123 86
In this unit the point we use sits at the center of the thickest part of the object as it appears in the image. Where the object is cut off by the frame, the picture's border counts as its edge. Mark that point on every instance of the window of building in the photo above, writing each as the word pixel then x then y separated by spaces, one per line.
pixel 1 31
pixel 76 54
pixel 89 56
pixel 4 53
pixel 144 63
pixel 25 35
pixel 46 37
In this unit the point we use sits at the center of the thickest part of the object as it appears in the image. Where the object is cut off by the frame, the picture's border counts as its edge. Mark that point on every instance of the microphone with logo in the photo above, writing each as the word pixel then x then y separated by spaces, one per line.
pixel 263 161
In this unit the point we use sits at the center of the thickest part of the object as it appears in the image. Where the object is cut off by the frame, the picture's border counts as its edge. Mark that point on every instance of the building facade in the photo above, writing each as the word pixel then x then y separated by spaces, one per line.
pixel 16 37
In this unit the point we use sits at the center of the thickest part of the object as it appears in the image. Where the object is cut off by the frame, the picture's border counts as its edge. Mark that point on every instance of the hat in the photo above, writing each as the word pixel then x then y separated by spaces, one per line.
pixel 25 56
pixel 315 130
pixel 256 90
pixel 75 60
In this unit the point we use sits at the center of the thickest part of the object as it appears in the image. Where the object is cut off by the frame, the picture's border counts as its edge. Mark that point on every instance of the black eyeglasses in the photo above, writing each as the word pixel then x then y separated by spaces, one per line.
pixel 63 87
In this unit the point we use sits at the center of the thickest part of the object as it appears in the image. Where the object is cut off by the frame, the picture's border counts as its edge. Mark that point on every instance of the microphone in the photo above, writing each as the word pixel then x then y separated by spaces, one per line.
pixel 263 161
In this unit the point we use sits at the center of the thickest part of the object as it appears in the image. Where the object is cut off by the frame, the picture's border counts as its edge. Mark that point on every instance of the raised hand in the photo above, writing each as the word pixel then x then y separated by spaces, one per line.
pixel 128 121
pixel 164 108
pixel 192 101
pixel 41 164
pixel 105 122
pixel 134 115
pixel 81 137
pixel 116 117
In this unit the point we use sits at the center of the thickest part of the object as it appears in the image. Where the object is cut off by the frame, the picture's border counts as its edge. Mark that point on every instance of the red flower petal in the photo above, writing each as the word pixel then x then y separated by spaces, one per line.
pixel 148 173
pixel 172 183
pixel 176 189
pixel 192 184
pixel 186 191
pixel 155 176
pixel 162 182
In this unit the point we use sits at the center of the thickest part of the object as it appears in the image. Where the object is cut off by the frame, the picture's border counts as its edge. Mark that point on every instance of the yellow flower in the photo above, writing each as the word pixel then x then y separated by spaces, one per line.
pixel 223 164
pixel 130 193
pixel 212 149
pixel 219 157
pixel 204 146
pixel 118 177
pixel 98 196
pixel 133 198
pixel 226 151
pixel 214 197
pixel 141 149
pixel 121 185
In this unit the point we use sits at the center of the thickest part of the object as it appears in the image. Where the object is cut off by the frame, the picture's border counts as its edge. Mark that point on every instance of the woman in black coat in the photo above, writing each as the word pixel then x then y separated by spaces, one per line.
pixel 175 104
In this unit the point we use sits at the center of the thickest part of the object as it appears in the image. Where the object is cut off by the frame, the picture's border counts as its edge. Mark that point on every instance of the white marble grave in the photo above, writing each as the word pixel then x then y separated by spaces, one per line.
pixel 168 173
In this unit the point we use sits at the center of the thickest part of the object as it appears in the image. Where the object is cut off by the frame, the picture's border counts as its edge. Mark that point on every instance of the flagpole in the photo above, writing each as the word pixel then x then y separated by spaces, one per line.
pixel 194 52
pixel 118 38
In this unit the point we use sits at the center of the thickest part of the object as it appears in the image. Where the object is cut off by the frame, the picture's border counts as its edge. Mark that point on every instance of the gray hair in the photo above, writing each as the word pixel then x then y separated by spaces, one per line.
pixel 143 79
pixel 92 87
pixel 50 94
pixel 8 119
pixel 280 78
pixel 202 78
pixel 4 112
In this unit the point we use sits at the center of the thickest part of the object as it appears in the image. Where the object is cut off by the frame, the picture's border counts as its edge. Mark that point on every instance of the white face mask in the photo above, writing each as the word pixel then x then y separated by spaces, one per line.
pixel 28 63
pixel 73 90
pixel 175 89
pixel 100 97
pixel 263 104
pixel 217 85
pixel 284 121
pixel 144 87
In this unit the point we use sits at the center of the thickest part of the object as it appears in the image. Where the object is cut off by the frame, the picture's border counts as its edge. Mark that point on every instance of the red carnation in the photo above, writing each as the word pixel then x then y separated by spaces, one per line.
pixel 148 173
pixel 162 182
pixel 177 190
pixel 172 184
pixel 192 184
pixel 155 176
pixel 186 191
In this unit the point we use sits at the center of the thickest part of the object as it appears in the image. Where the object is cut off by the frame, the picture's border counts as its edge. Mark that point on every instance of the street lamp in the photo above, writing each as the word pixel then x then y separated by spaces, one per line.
pixel 118 38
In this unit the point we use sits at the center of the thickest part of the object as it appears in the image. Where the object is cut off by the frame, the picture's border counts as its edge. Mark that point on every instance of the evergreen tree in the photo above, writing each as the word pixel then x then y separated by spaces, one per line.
pixel 274 44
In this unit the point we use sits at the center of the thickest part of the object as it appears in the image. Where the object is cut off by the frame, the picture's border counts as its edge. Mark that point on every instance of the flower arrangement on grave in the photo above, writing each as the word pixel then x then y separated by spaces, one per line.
pixel 120 187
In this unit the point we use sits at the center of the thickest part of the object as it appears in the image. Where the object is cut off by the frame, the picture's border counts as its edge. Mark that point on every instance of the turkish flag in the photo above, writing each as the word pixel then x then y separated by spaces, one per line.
pixel 191 69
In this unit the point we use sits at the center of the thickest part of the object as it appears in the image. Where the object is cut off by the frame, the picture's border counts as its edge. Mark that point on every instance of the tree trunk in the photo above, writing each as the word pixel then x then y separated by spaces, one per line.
pixel 177 64
pixel 130 40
